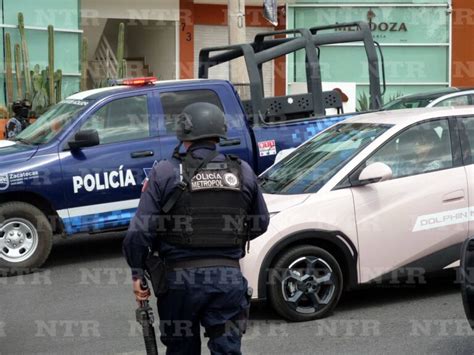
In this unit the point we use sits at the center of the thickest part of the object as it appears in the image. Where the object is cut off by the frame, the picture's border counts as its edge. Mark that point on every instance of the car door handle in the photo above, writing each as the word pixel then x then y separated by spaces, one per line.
pixel 454 196
pixel 142 154
pixel 229 142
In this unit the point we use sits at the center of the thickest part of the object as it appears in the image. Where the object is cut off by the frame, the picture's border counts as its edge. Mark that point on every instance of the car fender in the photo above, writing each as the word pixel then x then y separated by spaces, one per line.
pixel 324 219
pixel 257 265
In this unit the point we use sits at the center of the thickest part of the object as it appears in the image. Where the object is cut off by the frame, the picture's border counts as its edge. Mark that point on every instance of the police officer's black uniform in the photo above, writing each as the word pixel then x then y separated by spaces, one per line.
pixel 19 122
pixel 197 212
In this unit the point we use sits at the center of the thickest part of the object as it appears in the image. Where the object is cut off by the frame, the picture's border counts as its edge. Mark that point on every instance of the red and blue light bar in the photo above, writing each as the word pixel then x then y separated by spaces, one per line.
pixel 140 81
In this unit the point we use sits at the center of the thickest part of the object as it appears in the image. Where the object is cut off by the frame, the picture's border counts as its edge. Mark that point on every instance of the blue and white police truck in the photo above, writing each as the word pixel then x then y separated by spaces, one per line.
pixel 81 166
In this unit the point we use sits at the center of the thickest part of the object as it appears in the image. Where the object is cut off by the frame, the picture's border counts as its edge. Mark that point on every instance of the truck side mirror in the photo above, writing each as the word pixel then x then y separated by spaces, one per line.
pixel 375 172
pixel 83 139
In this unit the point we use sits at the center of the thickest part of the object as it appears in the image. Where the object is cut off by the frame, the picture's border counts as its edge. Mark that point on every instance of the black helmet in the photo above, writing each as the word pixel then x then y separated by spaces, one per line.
pixel 21 107
pixel 201 120
pixel 17 106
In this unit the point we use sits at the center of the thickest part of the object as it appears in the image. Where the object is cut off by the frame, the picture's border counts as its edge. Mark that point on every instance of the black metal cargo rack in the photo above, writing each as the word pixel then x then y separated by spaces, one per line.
pixel 263 50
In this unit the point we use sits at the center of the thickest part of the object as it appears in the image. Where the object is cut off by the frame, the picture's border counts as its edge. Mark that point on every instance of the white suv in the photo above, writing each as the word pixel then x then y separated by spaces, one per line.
pixel 384 195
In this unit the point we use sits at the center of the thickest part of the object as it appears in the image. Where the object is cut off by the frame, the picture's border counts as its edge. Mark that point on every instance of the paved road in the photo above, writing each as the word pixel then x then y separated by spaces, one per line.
pixel 81 303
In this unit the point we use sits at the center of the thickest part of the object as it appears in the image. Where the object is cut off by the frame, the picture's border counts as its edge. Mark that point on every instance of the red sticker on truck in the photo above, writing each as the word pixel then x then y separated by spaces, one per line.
pixel 267 148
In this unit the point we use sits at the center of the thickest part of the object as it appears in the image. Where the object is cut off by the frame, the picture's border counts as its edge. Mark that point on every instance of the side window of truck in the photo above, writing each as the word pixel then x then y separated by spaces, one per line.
pixel 121 120
pixel 174 102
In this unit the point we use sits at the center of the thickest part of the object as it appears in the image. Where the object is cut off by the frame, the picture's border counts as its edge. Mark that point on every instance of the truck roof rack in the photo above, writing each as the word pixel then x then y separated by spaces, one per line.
pixel 263 50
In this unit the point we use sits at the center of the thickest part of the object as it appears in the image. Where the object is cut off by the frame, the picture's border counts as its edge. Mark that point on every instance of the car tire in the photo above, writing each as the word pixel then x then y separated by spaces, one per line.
pixel 26 238
pixel 305 283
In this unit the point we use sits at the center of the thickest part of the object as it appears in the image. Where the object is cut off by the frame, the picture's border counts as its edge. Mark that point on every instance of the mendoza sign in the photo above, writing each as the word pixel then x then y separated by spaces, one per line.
pixel 397 24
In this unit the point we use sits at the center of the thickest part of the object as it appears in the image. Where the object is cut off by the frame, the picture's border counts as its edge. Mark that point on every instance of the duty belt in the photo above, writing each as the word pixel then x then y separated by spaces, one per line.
pixel 197 263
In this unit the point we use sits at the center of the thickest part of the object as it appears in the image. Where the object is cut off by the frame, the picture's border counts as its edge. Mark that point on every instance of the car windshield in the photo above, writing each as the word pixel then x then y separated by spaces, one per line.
pixel 52 122
pixel 310 166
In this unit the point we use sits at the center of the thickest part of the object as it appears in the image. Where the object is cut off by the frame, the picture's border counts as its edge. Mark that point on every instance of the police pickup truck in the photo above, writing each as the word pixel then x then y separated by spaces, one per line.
pixel 81 166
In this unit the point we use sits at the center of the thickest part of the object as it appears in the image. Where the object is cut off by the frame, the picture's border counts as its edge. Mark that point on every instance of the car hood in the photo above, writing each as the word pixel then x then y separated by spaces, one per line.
pixel 277 203
pixel 15 151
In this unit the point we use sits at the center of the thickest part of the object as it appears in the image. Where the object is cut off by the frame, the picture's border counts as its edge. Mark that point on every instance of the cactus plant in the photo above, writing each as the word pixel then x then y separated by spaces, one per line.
pixel 51 93
pixel 84 64
pixel 124 68
pixel 19 79
pixel 4 114
pixel 40 88
pixel 25 56
pixel 120 51
pixel 9 69
pixel 58 79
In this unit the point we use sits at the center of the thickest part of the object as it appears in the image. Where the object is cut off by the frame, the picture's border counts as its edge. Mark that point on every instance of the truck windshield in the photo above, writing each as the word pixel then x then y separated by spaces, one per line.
pixel 309 167
pixel 52 122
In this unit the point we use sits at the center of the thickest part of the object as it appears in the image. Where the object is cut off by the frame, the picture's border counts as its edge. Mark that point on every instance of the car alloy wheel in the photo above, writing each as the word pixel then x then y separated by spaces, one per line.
pixel 308 284
pixel 305 283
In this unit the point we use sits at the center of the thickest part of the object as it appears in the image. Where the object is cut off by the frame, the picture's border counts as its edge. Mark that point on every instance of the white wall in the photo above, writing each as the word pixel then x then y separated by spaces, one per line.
pixel 93 33
pixel 164 10
pixel 157 43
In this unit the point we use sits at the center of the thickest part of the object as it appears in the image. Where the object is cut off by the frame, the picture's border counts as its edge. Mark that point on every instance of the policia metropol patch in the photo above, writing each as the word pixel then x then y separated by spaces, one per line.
pixel 216 177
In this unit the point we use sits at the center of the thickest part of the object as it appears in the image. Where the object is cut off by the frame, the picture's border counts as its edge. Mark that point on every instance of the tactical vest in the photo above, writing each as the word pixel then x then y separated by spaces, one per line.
pixel 207 209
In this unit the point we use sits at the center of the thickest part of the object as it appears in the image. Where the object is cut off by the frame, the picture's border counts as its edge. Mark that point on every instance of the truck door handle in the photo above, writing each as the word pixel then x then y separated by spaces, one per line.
pixel 229 142
pixel 142 154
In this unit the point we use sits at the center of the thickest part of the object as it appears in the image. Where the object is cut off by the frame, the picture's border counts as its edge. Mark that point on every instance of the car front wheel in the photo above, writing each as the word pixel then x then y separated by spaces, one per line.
pixel 305 283
pixel 26 238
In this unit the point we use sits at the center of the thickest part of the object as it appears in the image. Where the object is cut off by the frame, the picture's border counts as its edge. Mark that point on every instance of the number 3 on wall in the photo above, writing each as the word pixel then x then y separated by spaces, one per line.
pixel 188 35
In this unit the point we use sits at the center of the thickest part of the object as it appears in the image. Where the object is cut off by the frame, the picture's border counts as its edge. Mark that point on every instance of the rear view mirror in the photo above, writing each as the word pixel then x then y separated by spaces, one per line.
pixel 86 138
pixel 375 172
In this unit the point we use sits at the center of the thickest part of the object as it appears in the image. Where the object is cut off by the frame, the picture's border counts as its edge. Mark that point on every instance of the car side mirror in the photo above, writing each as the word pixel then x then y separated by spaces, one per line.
pixel 83 139
pixel 375 172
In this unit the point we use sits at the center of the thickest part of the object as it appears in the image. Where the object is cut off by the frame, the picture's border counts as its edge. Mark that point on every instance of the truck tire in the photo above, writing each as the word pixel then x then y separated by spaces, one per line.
pixel 305 283
pixel 26 238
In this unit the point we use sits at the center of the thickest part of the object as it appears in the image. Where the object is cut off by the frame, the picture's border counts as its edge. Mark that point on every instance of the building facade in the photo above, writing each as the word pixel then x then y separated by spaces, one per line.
pixel 151 37
pixel 414 36
pixel 425 43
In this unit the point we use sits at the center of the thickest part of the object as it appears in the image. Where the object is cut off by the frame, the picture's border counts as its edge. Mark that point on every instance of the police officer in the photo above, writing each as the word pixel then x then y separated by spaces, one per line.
pixel 197 211
pixel 19 121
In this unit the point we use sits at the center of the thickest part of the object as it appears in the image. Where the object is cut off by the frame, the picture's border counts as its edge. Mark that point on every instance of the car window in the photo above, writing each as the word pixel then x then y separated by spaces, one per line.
pixel 467 134
pixel 454 101
pixel 121 120
pixel 174 102
pixel 420 149
pixel 402 103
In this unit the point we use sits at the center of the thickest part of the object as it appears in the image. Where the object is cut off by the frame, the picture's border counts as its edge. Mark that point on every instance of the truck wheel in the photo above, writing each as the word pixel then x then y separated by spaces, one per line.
pixel 26 238
pixel 305 283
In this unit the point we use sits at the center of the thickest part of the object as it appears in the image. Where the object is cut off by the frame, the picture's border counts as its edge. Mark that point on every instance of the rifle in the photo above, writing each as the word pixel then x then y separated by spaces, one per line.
pixel 145 317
